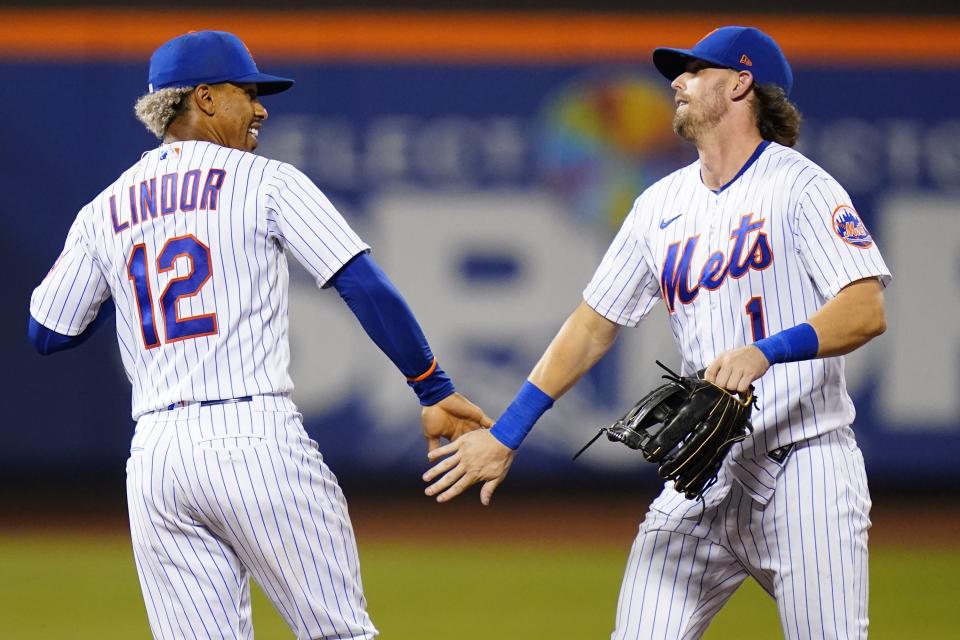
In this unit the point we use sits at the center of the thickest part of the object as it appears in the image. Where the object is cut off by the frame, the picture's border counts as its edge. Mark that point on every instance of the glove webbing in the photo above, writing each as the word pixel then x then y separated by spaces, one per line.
pixel 671 375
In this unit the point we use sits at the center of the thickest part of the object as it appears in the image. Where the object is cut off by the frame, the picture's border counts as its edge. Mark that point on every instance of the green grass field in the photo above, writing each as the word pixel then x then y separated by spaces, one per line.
pixel 83 588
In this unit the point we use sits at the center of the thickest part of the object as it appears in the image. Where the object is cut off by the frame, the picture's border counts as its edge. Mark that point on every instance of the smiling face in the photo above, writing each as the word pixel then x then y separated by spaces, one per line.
pixel 238 115
pixel 701 98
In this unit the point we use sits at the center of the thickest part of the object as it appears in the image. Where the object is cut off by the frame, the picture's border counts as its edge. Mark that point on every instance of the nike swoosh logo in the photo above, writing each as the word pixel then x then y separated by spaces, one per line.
pixel 666 223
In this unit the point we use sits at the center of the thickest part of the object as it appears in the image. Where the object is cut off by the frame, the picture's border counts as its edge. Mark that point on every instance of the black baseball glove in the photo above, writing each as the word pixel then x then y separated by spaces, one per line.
pixel 685 426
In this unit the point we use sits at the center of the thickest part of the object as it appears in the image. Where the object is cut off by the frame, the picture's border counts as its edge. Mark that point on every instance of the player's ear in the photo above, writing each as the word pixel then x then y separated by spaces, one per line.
pixel 204 99
pixel 742 89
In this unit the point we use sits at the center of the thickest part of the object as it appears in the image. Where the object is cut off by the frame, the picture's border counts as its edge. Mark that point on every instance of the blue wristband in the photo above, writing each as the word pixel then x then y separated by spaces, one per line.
pixel 519 418
pixel 790 345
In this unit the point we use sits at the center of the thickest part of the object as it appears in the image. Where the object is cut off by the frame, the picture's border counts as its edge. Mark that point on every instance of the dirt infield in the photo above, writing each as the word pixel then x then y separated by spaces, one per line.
pixel 583 519
pixel 544 518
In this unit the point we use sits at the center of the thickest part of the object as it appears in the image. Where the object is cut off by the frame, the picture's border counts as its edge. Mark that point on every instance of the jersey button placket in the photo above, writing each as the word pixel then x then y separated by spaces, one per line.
pixel 713 244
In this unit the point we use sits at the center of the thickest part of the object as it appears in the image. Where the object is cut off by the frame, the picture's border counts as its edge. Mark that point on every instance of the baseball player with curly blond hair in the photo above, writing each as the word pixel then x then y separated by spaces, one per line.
pixel 769 277
pixel 190 242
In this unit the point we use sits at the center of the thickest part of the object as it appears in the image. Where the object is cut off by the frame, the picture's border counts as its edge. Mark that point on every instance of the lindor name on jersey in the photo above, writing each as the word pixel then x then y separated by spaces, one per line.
pixel 199 273
pixel 675 276
pixel 197 190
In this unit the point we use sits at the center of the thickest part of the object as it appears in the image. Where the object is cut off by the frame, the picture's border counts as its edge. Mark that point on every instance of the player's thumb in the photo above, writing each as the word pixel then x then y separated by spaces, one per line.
pixel 432 443
pixel 471 411
pixel 481 417
pixel 486 491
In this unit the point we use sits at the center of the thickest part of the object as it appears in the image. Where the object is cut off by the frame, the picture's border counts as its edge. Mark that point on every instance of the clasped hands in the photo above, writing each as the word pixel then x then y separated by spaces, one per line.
pixel 472 455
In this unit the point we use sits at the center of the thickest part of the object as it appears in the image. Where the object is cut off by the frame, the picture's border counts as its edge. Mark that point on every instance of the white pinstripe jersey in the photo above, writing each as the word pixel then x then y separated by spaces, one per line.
pixel 190 244
pixel 757 257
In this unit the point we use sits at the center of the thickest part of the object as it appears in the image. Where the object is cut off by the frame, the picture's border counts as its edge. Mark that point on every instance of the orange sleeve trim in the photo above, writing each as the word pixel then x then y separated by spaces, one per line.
pixel 429 372
pixel 529 37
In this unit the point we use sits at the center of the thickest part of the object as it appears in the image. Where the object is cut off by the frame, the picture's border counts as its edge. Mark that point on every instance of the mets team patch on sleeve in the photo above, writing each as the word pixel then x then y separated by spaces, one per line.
pixel 848 225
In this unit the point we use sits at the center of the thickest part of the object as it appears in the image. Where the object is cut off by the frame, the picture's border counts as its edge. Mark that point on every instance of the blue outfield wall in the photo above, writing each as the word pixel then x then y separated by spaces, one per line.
pixel 489 193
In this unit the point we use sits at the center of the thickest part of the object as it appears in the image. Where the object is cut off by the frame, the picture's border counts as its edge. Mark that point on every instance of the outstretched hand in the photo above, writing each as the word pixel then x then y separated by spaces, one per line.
pixel 475 457
pixel 451 418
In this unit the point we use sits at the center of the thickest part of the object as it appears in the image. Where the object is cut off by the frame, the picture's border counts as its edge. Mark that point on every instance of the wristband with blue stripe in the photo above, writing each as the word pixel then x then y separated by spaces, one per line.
pixel 790 345
pixel 519 418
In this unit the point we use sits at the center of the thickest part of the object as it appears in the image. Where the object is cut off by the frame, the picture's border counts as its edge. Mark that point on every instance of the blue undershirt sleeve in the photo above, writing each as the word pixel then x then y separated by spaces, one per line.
pixel 47 341
pixel 388 320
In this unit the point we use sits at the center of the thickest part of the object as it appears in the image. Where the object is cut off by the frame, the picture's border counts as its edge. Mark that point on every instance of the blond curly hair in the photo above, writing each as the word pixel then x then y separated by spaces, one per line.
pixel 158 109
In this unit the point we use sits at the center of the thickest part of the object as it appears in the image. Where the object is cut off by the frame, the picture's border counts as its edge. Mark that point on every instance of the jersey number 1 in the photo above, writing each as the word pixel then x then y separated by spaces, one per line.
pixel 178 288
pixel 755 311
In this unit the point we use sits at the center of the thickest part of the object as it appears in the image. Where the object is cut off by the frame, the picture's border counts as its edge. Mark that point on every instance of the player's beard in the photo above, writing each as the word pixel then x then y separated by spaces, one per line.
pixel 690 124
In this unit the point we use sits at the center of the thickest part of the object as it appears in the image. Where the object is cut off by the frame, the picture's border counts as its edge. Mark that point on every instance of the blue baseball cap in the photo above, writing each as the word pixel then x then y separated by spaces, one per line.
pixel 209 57
pixel 740 48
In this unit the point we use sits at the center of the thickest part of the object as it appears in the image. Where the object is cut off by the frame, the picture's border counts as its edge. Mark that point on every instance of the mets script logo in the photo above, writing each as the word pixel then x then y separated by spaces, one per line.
pixel 744 256
pixel 850 228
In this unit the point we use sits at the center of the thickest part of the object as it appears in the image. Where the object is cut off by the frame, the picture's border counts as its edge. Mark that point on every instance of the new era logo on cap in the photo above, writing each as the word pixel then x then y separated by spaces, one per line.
pixel 741 48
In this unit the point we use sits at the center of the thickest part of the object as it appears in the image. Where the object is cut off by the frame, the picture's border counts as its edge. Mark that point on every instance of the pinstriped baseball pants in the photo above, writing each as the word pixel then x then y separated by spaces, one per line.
pixel 217 494
pixel 807 547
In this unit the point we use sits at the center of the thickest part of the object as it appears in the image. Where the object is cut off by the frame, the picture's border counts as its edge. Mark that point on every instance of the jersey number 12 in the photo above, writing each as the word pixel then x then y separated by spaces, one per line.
pixel 180 287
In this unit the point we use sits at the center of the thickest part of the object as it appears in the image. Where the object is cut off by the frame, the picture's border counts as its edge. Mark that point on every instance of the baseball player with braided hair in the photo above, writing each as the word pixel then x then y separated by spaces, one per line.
pixel 769 277
pixel 223 483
